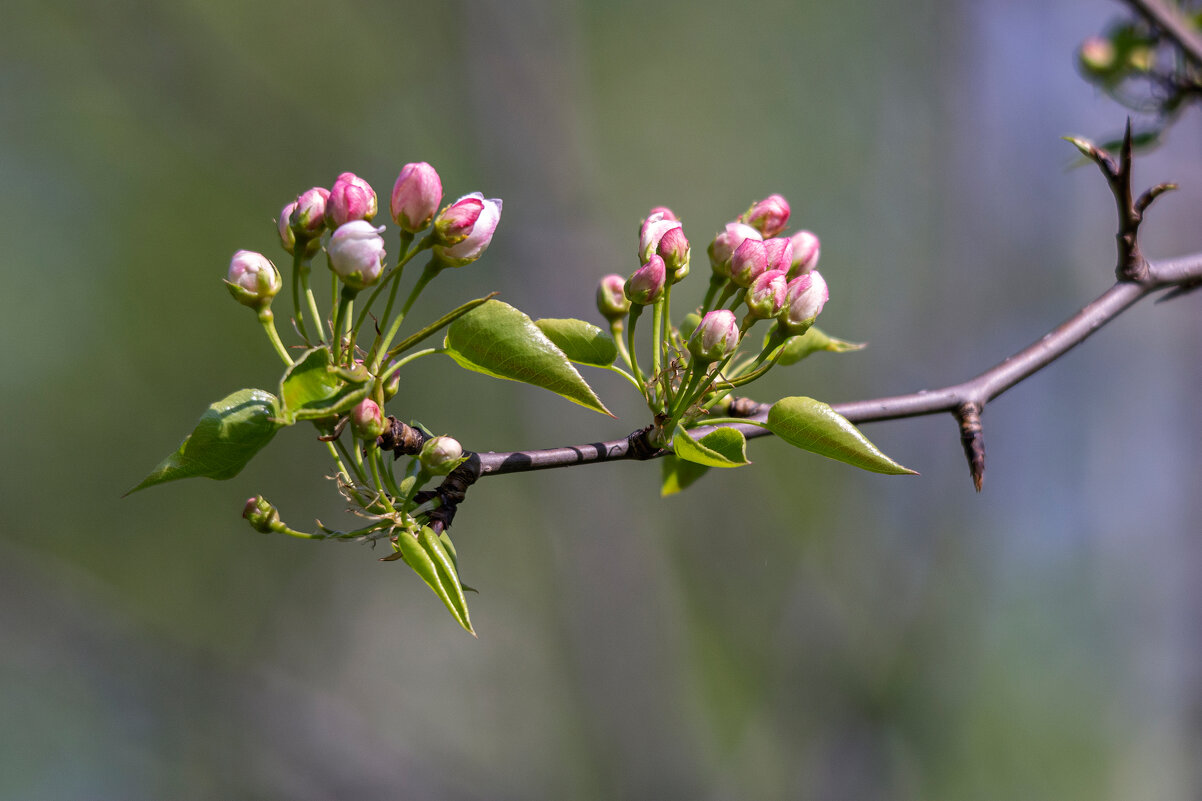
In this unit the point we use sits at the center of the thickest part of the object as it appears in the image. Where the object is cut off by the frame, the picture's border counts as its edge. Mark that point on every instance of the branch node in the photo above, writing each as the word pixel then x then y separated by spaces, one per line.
pixel 743 407
pixel 450 493
pixel 972 437
pixel 401 439
pixel 640 447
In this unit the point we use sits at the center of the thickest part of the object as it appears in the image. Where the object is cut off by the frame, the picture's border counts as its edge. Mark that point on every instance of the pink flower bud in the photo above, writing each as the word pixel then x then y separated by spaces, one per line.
pixel 1097 55
pixel 766 297
pixel 805 253
pixel 284 226
pixel 611 298
pixel 647 283
pixel 664 213
pixel 415 196
pixel 351 198
pixel 749 262
pixel 252 279
pixel 780 253
pixel 262 516
pixel 769 216
pixel 716 336
pixel 674 249
pixel 806 296
pixel 458 219
pixel 356 253
pixel 308 217
pixel 725 244
pixel 651 232
pixel 367 421
pixel 440 455
pixel 468 249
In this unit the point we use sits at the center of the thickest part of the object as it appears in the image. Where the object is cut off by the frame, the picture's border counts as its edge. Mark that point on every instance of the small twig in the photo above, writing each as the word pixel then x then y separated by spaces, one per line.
pixel 973 439
pixel 1174 25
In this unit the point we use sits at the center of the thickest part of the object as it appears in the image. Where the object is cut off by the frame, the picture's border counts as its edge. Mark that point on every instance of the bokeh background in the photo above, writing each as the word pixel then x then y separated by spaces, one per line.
pixel 796 629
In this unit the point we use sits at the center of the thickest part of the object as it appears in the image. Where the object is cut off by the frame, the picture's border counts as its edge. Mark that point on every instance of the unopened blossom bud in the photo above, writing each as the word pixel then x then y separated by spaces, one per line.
pixel 806 296
pixel 356 253
pixel 393 385
pixel 284 226
pixel 367 421
pixel 611 298
pixel 470 240
pixel 805 253
pixel 308 216
pixel 440 455
pixel 766 296
pixel 262 516
pixel 457 220
pixel 769 216
pixel 646 284
pixel 725 244
pixel 749 262
pixel 415 196
pixel 651 232
pixel 351 198
pixel 674 249
pixel 252 279
pixel 1097 55
pixel 780 253
pixel 716 336
pixel 664 213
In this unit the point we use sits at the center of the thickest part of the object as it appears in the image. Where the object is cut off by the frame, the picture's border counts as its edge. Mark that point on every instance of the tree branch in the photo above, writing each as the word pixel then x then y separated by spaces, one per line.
pixel 1136 279
pixel 1174 26
pixel 1173 274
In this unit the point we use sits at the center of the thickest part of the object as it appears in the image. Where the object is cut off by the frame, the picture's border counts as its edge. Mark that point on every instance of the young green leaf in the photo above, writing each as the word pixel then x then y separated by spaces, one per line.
pixel 581 342
pixel 814 426
pixel 722 447
pixel 430 560
pixel 498 340
pixel 812 341
pixel 227 436
pixel 678 474
pixel 312 388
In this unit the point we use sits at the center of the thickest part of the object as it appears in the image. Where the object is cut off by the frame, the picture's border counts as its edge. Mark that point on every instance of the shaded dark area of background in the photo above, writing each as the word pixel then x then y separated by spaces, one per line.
pixel 793 629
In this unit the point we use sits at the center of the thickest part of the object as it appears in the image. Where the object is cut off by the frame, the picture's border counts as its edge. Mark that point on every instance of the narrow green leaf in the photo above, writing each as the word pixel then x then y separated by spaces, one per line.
pixel 814 340
pixel 227 436
pixel 814 426
pixel 429 559
pixel 722 447
pixel 498 340
pixel 312 388
pixel 678 474
pixel 583 343
pixel 436 326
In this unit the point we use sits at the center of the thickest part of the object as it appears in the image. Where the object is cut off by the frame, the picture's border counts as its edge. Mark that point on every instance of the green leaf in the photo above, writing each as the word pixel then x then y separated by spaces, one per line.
pixel 814 426
pixel 722 447
pixel 678 474
pixel 814 340
pixel 312 388
pixel 430 560
pixel 583 343
pixel 436 326
pixel 227 436
pixel 498 340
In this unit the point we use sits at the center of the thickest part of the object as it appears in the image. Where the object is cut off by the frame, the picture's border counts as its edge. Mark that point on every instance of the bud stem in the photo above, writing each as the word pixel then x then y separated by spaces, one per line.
pixel 346 305
pixel 716 283
pixel 267 318
pixel 636 311
pixel 394 278
pixel 433 268
pixel 373 463
pixel 304 285
pixel 298 256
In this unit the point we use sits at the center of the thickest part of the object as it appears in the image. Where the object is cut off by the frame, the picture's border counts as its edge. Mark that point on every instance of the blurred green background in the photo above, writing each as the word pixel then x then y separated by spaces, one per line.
pixel 796 629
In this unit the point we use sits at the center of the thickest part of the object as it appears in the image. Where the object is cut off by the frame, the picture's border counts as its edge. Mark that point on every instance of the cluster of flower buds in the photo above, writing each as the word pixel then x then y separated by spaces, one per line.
pixel 777 272
pixel 355 248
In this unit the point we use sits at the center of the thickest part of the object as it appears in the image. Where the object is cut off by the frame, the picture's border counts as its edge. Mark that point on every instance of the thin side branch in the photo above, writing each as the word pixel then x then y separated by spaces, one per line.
pixel 1173 274
pixel 1175 26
